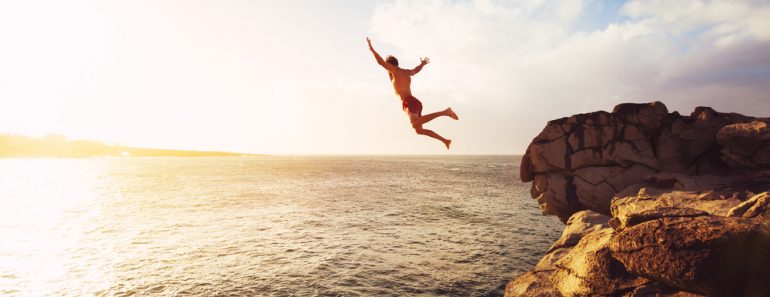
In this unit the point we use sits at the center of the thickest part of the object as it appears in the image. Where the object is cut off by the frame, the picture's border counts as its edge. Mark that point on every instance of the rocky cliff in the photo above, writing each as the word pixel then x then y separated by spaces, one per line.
pixel 655 203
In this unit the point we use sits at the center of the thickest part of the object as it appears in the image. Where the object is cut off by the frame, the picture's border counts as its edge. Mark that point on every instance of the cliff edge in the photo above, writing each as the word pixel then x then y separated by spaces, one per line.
pixel 655 204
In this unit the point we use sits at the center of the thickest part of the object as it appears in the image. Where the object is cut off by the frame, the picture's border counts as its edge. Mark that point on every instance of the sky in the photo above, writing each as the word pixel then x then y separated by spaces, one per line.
pixel 296 77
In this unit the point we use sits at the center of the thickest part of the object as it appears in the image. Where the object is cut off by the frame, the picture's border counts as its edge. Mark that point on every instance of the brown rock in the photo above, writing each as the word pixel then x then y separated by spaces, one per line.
pixel 534 284
pixel 578 225
pixel 565 271
pixel 526 171
pixel 689 144
pixel 591 136
pixel 630 152
pixel 755 207
pixel 593 189
pixel 549 156
pixel 551 200
pixel 538 281
pixel 596 186
pixel 589 269
pixel 689 200
pixel 712 194
pixel 746 145
pixel 552 131
pixel 657 289
pixel 647 115
pixel 599 154
pixel 625 220
pixel 711 202
pixel 711 255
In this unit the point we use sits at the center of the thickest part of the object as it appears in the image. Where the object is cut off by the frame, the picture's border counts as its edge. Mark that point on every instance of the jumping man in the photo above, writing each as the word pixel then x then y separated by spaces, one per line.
pixel 402 80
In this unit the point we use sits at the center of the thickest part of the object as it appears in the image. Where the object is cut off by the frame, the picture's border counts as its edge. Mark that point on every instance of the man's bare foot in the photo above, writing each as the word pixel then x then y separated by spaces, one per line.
pixel 447 143
pixel 451 113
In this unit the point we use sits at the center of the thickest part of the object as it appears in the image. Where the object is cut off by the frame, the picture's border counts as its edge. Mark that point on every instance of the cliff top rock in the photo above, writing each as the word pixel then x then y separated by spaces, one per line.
pixel 580 162
pixel 655 204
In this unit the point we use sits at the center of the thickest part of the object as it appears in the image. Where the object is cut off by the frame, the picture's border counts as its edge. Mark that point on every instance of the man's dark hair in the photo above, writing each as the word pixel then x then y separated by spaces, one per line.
pixel 392 60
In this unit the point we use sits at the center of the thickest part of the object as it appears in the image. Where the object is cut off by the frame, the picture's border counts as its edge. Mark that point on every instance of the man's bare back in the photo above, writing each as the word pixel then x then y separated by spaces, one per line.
pixel 402 81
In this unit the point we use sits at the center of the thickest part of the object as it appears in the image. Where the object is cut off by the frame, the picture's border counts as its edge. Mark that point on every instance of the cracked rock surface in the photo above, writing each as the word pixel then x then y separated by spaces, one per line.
pixel 580 162
pixel 655 204
pixel 746 145
pixel 710 255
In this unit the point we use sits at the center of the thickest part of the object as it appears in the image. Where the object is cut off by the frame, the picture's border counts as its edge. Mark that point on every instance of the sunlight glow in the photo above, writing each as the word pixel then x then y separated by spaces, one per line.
pixel 295 77
pixel 36 205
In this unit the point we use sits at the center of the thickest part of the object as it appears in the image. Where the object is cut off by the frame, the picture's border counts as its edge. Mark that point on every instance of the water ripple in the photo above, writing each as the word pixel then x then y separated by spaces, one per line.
pixel 272 226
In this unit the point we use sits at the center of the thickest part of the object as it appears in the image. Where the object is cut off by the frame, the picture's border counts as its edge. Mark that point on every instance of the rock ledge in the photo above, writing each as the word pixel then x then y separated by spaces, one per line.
pixel 655 204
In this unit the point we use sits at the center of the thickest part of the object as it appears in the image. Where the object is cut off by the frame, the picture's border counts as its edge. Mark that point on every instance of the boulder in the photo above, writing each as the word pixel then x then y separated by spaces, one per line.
pixel 710 255
pixel 539 281
pixel 579 264
pixel 711 194
pixel 625 220
pixel 756 207
pixel 578 225
pixel 746 145
pixel 589 269
pixel 533 283
pixel 655 204
pixel 657 289
pixel 581 162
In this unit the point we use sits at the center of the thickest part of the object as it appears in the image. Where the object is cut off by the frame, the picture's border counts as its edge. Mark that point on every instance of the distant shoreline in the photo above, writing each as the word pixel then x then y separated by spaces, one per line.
pixel 58 146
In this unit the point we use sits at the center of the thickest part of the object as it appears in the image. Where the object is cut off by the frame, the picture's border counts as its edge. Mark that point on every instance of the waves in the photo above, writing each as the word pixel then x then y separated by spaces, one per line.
pixel 352 226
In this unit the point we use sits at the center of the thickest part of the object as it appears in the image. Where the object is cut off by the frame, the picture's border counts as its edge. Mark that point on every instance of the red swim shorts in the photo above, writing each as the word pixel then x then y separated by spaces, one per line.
pixel 411 105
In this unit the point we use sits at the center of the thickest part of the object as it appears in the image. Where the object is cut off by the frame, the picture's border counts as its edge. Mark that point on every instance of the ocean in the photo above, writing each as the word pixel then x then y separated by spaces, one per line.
pixel 267 226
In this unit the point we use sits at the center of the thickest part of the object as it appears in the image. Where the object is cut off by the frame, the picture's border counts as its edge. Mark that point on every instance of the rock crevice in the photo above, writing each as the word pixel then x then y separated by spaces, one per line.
pixel 632 142
pixel 655 204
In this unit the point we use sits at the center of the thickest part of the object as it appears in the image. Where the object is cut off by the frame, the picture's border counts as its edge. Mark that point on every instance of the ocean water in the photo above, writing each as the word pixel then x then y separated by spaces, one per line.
pixel 267 226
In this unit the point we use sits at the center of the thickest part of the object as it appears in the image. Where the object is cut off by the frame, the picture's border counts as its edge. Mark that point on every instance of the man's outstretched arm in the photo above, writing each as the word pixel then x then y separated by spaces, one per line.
pixel 376 55
pixel 423 62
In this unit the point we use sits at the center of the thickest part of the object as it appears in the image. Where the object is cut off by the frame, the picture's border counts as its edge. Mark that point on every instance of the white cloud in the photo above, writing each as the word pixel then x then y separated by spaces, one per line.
pixel 721 22
pixel 531 60
pixel 296 77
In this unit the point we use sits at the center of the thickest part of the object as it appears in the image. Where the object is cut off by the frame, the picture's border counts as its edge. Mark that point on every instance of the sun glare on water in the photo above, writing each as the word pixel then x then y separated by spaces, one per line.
pixel 39 226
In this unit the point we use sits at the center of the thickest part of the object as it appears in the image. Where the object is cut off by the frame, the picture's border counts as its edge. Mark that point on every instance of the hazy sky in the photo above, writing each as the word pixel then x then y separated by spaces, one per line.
pixel 297 77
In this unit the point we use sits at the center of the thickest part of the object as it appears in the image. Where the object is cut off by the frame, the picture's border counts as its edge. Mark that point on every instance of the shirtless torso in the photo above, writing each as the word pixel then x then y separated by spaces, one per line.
pixel 402 82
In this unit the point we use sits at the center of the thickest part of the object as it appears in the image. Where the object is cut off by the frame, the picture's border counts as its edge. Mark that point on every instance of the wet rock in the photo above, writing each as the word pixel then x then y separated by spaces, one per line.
pixel 711 255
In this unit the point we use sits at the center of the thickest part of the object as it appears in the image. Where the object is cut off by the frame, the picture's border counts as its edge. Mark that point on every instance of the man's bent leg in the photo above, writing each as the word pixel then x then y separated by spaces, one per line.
pixel 432 134
pixel 416 121
pixel 429 117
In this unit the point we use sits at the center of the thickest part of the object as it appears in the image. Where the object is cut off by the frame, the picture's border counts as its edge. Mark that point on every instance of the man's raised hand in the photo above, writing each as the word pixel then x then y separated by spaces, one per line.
pixel 424 61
